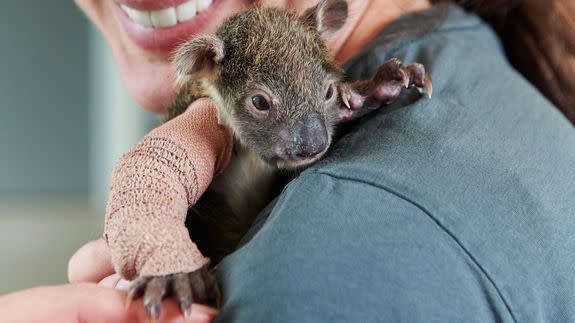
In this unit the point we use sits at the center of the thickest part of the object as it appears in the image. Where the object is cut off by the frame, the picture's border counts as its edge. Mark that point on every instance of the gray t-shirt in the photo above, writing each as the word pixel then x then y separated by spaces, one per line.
pixel 459 208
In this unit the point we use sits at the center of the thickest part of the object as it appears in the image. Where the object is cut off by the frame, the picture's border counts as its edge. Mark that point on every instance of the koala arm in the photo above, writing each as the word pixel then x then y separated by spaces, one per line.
pixel 152 188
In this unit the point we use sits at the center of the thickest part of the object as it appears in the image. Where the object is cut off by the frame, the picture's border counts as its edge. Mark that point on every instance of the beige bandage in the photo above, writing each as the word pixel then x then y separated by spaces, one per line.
pixel 152 188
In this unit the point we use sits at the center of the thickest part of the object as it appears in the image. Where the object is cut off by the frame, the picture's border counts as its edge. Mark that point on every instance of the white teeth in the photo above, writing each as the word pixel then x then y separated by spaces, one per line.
pixel 169 16
pixel 164 18
pixel 202 5
pixel 186 11
pixel 139 17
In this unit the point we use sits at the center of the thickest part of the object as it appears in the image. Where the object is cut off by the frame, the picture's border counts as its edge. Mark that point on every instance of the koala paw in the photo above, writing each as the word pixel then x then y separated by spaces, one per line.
pixel 199 286
pixel 384 87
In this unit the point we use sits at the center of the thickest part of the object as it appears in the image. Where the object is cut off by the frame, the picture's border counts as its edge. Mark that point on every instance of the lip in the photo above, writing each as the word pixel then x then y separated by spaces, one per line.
pixel 284 161
pixel 162 39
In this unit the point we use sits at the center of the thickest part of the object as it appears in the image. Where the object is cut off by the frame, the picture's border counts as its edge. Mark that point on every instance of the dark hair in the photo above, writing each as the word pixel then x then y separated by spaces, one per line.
pixel 539 38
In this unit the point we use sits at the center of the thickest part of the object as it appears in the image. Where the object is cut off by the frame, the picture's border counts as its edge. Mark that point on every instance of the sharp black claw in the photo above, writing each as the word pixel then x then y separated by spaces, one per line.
pixel 136 290
pixel 183 293
pixel 198 286
pixel 155 290
pixel 214 297
pixel 197 282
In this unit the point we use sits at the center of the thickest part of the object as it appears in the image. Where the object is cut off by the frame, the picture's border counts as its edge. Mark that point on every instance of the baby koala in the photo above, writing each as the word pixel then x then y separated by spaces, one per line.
pixel 278 90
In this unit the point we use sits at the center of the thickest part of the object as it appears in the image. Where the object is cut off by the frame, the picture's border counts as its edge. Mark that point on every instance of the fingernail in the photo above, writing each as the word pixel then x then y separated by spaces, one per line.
pixel 123 284
pixel 204 310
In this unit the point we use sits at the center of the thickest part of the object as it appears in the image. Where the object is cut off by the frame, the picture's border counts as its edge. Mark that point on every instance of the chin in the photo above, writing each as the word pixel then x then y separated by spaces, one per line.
pixel 151 87
pixel 297 163
pixel 154 101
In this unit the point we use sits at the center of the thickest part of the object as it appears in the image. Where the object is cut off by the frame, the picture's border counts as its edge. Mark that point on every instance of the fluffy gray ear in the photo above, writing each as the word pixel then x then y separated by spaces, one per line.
pixel 327 16
pixel 201 54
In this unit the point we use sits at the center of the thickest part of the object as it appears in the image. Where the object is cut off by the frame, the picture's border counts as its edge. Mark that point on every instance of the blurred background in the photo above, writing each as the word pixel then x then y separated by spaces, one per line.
pixel 65 119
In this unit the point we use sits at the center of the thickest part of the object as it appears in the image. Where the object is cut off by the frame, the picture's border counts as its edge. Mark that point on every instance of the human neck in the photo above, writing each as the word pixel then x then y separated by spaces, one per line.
pixel 366 20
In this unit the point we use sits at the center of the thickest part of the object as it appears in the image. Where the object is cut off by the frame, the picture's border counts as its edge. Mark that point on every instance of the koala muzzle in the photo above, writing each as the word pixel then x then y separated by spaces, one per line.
pixel 309 137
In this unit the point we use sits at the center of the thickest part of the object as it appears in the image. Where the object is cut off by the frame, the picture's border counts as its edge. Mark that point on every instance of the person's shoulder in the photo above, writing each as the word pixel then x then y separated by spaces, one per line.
pixel 484 157
pixel 339 245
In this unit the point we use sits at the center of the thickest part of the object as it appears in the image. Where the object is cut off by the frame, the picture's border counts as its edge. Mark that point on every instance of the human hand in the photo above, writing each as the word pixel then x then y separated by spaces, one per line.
pixel 92 263
pixel 85 302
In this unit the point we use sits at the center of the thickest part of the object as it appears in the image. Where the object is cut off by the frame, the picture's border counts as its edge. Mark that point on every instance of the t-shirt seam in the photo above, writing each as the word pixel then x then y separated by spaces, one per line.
pixel 408 42
pixel 431 216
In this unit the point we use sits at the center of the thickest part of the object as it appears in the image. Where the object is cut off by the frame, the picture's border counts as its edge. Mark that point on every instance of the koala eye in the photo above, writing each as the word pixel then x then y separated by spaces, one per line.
pixel 329 93
pixel 260 102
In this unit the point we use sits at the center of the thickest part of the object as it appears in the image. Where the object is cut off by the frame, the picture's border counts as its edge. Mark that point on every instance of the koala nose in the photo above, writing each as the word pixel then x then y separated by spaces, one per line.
pixel 309 137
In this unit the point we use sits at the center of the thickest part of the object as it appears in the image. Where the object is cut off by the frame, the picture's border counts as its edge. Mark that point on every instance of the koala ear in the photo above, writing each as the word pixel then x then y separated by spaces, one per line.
pixel 201 54
pixel 327 16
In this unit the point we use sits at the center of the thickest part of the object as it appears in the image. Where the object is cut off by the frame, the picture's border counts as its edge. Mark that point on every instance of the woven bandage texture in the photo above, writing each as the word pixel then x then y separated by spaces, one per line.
pixel 152 187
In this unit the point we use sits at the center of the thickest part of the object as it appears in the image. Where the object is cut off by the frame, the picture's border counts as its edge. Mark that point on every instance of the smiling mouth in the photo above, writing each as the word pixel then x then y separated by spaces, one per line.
pixel 167 17
pixel 155 26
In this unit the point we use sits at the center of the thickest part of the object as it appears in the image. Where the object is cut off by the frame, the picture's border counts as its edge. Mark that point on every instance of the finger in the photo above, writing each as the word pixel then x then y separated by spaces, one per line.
pixel 111 281
pixel 117 282
pixel 123 284
pixel 202 313
pixel 91 263
pixel 87 303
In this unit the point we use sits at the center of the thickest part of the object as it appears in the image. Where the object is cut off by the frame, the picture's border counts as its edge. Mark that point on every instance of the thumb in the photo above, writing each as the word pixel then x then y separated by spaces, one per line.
pixel 91 263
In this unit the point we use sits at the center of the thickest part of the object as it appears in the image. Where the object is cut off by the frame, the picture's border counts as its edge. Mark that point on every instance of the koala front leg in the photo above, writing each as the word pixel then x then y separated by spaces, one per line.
pixel 199 286
pixel 151 190
pixel 362 97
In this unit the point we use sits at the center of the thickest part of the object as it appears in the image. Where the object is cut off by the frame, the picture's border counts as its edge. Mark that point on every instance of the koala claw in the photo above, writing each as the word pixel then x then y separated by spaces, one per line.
pixel 387 81
pixel 418 78
pixel 199 286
